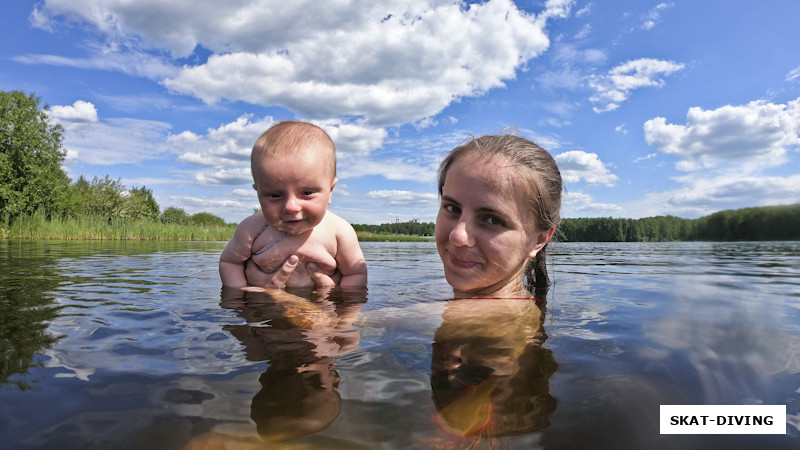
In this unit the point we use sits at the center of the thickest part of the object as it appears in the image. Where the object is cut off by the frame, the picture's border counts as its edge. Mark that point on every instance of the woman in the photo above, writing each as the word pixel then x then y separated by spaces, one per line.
pixel 501 203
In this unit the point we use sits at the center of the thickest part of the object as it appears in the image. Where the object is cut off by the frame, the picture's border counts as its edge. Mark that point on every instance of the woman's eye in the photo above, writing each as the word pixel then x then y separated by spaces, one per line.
pixel 451 208
pixel 491 220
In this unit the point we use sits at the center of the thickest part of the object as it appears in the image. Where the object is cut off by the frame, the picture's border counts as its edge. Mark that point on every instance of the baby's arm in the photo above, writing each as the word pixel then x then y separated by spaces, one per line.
pixel 349 257
pixel 239 250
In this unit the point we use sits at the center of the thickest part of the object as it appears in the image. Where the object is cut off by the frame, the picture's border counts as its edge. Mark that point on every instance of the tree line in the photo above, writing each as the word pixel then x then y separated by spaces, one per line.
pixel 768 223
pixel 413 228
pixel 32 180
pixel 747 224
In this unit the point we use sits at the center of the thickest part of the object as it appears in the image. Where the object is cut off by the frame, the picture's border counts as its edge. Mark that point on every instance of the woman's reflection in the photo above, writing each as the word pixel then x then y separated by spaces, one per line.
pixel 489 373
pixel 298 336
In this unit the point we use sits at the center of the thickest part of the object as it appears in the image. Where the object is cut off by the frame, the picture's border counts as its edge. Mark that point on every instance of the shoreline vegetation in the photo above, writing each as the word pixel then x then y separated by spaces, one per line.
pixel 39 201
pixel 769 223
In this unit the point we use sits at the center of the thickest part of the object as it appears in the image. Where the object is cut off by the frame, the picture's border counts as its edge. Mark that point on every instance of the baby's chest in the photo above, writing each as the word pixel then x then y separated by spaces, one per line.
pixel 273 250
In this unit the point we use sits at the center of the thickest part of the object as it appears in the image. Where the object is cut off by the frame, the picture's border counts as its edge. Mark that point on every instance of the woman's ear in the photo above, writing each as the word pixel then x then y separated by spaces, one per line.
pixel 541 240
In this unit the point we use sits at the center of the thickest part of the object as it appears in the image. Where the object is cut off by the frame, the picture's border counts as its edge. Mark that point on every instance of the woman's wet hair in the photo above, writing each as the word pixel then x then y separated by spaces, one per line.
pixel 537 170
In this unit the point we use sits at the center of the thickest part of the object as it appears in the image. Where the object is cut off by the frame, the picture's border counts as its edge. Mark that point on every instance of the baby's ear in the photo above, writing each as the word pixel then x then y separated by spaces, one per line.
pixel 330 199
pixel 254 187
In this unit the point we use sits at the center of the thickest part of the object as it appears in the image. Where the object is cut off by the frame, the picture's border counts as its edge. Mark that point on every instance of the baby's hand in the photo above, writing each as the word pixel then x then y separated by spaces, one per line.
pixel 256 277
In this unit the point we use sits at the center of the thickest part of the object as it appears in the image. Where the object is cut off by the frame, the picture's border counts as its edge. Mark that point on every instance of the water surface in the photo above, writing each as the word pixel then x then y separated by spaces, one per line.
pixel 119 345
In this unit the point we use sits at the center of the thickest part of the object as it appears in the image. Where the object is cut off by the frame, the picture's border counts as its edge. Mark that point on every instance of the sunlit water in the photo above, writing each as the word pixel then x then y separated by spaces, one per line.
pixel 132 345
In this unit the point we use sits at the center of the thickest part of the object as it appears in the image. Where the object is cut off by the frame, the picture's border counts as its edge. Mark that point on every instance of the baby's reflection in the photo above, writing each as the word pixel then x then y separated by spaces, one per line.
pixel 489 373
pixel 299 336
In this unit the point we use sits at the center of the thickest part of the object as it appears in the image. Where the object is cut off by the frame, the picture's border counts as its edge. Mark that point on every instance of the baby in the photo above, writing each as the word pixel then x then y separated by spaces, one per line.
pixel 294 172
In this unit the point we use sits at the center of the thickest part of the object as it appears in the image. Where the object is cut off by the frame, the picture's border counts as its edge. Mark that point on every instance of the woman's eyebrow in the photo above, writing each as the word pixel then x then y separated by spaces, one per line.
pixel 493 211
pixel 450 199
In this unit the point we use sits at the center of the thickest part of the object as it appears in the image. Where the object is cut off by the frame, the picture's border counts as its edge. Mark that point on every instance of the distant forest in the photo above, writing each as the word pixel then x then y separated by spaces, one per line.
pixel 768 223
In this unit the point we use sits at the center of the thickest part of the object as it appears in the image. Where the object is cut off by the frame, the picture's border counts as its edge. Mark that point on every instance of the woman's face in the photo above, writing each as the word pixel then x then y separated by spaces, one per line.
pixel 484 232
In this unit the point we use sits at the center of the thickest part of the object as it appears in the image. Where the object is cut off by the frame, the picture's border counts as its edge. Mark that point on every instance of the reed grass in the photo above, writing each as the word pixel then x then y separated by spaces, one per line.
pixel 366 236
pixel 38 226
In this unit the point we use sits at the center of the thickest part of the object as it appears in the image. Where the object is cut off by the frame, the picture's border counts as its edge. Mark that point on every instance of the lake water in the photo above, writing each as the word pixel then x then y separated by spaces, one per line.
pixel 129 345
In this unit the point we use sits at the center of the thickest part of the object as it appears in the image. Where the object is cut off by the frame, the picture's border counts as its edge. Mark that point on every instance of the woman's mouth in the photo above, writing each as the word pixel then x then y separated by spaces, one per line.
pixel 461 261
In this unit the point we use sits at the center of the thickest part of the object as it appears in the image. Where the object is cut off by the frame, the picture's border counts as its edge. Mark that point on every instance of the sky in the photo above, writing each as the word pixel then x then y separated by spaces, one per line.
pixel 650 108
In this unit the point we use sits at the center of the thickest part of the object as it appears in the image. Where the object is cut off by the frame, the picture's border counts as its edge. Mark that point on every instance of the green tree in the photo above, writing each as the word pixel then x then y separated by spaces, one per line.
pixel 104 198
pixel 206 219
pixel 175 215
pixel 140 204
pixel 31 154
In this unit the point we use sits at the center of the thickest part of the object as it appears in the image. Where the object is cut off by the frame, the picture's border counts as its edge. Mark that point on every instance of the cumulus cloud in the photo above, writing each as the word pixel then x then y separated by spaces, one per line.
pixel 78 112
pixel 615 87
pixel 751 136
pixel 576 165
pixel 223 147
pixel 224 177
pixel 701 194
pixel 404 198
pixel 580 204
pixel 388 63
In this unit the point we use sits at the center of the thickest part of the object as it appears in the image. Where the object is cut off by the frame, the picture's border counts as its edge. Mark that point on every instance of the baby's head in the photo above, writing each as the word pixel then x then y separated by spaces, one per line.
pixel 294 172
pixel 290 137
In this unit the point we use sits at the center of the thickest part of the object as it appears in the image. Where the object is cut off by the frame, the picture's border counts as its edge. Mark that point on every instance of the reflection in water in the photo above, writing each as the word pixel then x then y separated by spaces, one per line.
pixel 489 373
pixel 298 336
pixel 26 276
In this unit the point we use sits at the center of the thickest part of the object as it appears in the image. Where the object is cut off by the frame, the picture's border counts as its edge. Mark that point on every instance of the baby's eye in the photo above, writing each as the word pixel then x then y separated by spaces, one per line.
pixel 308 193
pixel 273 195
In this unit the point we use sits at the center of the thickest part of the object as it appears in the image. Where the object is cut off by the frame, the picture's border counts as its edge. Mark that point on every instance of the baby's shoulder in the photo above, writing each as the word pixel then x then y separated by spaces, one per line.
pixel 252 225
pixel 336 224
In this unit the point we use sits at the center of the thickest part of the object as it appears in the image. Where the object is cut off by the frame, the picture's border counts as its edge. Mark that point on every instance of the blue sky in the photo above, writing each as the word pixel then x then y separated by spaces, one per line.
pixel 650 108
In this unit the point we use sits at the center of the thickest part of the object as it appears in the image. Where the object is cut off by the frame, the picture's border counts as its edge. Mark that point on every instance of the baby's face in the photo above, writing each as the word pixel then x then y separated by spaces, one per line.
pixel 294 189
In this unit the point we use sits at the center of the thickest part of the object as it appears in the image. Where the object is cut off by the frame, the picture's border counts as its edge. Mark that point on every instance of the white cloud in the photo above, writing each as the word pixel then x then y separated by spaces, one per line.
pixel 576 165
pixel 390 168
pixel 352 137
pixel 390 63
pixel 405 198
pixel 224 177
pixel 750 137
pixel 115 141
pixel 115 57
pixel 793 74
pixel 702 194
pixel 653 17
pixel 226 146
pixel 585 10
pixel 579 204
pixel 615 87
pixel 80 111
pixel 573 63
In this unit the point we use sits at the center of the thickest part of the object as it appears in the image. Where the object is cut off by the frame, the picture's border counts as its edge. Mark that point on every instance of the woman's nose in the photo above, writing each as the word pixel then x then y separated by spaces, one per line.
pixel 462 235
